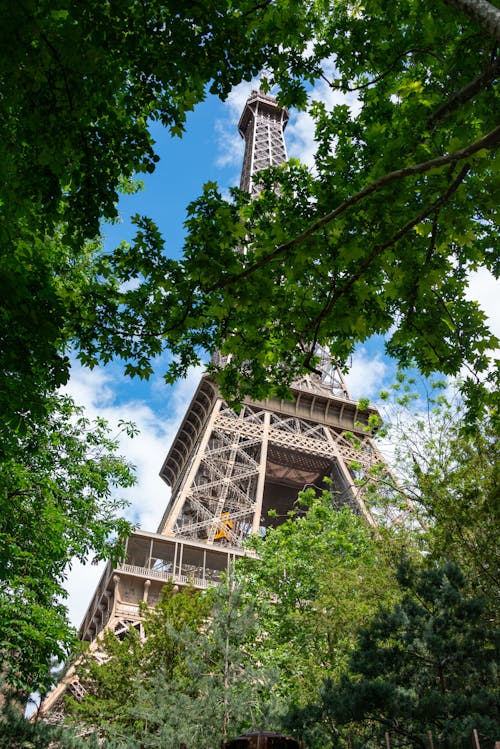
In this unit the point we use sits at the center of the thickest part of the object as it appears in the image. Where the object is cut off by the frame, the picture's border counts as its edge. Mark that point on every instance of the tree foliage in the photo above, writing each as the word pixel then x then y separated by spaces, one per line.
pixel 402 206
pixel 319 575
pixel 18 733
pixel 112 683
pixel 320 635
pixel 265 638
pixel 192 680
pixel 80 84
pixel 450 473
pixel 224 690
pixel 57 504
pixel 429 663
pixel 382 239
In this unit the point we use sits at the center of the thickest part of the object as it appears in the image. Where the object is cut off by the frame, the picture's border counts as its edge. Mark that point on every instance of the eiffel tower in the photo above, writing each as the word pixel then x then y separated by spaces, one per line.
pixel 228 470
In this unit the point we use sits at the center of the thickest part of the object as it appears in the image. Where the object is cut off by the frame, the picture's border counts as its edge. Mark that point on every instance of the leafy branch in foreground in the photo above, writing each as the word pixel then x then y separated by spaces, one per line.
pixel 411 168
pixel 80 84
pixel 57 503
pixel 393 256
pixel 489 141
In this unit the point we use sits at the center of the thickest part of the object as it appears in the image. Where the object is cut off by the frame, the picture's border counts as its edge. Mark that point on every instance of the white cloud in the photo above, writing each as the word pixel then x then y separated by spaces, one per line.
pixel 367 375
pixel 230 144
pixel 300 138
pixel 98 392
pixel 485 289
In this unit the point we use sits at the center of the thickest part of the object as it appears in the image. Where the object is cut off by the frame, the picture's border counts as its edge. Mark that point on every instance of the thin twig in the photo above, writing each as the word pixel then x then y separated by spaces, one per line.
pixel 58 60
pixel 414 291
pixel 342 85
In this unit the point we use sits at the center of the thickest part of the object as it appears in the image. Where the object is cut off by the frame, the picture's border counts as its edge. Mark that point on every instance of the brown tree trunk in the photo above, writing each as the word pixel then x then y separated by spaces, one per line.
pixel 482 12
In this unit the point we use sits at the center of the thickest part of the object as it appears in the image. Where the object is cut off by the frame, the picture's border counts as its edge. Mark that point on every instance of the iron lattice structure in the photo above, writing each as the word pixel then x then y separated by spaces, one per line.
pixel 262 125
pixel 228 470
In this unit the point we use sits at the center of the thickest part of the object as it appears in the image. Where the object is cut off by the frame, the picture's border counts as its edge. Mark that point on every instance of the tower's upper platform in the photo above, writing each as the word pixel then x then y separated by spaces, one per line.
pixel 263 105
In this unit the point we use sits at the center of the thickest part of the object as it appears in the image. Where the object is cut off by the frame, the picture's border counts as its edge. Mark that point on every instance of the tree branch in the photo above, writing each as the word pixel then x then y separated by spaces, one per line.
pixel 412 298
pixel 392 240
pixel 58 60
pixel 464 94
pixel 342 83
pixel 490 140
pixel 259 6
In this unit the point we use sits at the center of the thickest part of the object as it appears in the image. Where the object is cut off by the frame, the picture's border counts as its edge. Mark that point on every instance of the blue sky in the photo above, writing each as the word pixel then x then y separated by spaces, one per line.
pixel 211 149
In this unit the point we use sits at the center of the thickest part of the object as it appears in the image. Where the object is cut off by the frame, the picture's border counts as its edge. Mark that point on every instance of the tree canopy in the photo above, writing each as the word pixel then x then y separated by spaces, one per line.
pixel 403 203
pixel 429 663
pixel 402 206
pixel 80 84
pixel 264 639
pixel 331 632
pixel 193 680
pixel 307 568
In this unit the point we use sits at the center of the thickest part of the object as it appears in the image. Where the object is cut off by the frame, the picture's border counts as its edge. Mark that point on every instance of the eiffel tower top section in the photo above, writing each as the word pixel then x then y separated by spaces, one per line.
pixel 234 474
pixel 262 125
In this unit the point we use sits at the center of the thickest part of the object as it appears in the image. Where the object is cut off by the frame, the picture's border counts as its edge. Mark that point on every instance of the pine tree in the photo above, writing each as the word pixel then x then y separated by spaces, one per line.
pixel 428 663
